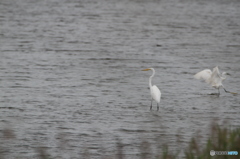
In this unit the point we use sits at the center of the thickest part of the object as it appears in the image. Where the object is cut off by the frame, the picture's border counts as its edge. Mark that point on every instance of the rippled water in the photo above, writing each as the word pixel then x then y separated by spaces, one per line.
pixel 71 79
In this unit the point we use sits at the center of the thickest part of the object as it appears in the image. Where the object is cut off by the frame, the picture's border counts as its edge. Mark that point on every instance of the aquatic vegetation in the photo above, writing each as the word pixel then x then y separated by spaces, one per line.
pixel 221 139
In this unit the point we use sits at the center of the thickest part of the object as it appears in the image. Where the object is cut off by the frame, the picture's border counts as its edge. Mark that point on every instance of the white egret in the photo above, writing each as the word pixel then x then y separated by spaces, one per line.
pixel 213 78
pixel 154 90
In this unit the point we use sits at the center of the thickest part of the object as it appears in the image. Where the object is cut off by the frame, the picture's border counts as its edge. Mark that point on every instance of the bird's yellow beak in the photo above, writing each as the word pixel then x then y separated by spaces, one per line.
pixel 147 69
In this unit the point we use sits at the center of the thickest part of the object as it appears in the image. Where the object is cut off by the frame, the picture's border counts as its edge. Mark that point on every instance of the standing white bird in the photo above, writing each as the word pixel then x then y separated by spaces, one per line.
pixel 213 78
pixel 154 90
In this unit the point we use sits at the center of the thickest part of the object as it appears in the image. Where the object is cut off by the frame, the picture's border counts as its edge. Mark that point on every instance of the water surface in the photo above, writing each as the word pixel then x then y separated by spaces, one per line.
pixel 71 79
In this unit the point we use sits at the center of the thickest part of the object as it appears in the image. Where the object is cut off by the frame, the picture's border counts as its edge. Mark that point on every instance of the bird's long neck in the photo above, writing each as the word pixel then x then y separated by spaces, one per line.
pixel 150 78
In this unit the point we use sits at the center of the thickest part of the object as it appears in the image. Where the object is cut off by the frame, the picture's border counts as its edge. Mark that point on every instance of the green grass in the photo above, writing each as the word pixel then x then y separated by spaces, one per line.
pixel 220 139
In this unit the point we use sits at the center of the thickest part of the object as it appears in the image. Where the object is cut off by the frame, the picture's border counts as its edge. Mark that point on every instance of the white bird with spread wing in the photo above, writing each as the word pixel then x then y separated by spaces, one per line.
pixel 214 78
pixel 154 90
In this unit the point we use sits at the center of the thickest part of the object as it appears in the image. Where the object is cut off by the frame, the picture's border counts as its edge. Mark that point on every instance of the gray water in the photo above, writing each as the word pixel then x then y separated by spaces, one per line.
pixel 71 79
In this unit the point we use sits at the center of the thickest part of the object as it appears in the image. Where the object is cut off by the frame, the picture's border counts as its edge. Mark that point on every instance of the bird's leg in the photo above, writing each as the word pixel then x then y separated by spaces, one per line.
pixel 228 91
pixel 151 104
pixel 157 107
pixel 218 91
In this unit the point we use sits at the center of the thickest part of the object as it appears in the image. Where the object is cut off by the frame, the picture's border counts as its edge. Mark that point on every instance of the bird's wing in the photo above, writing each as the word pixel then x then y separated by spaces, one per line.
pixel 156 94
pixel 215 79
pixel 203 75
pixel 216 73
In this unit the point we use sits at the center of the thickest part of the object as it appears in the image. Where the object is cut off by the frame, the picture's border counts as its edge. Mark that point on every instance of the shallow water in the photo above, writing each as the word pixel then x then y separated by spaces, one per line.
pixel 71 79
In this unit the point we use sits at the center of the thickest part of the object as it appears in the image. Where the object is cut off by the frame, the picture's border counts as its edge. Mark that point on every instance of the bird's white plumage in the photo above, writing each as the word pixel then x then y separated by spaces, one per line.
pixel 155 93
pixel 203 75
pixel 214 78
pixel 154 90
